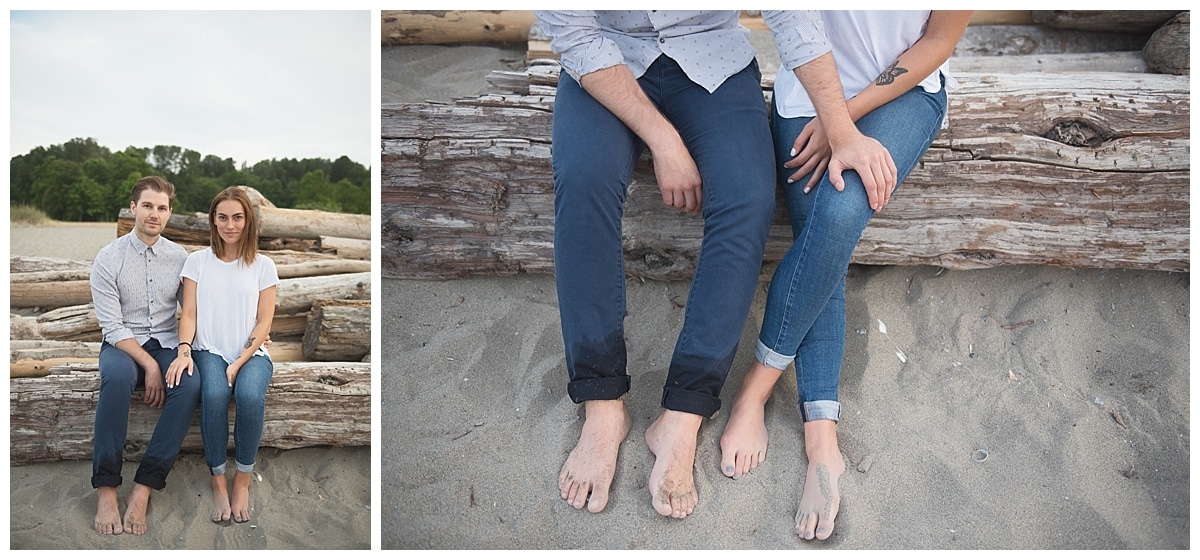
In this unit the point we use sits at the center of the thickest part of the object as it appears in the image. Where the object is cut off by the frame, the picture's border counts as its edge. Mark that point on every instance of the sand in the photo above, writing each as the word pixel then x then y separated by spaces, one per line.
pixel 311 498
pixel 1073 383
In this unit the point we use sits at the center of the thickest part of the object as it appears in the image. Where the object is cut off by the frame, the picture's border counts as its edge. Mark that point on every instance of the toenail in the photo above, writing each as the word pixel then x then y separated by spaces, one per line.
pixel 728 469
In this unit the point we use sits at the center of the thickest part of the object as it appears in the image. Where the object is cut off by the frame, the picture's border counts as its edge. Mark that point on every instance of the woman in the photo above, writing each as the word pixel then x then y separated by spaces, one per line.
pixel 893 69
pixel 228 304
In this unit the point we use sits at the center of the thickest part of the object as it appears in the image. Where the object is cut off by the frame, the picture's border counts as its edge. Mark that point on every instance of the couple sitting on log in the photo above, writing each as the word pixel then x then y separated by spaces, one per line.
pixel 686 86
pixel 217 346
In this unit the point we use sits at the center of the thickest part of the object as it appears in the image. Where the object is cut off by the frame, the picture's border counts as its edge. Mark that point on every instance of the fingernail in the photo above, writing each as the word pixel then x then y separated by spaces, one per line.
pixel 793 152
pixel 806 189
pixel 790 181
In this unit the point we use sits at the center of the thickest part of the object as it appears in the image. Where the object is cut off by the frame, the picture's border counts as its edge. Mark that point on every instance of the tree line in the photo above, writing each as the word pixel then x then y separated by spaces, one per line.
pixel 81 180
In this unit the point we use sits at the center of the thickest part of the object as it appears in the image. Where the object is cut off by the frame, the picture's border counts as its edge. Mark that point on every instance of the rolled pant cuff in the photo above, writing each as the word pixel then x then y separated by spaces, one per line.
pixel 218 470
pixel 599 389
pixel 771 358
pixel 244 468
pixel 152 481
pixel 820 410
pixel 692 402
pixel 106 481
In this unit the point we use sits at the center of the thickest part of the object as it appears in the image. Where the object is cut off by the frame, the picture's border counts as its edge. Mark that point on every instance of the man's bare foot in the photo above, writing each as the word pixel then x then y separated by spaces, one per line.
pixel 108 513
pixel 744 443
pixel 221 511
pixel 821 497
pixel 590 467
pixel 240 501
pixel 135 509
pixel 672 439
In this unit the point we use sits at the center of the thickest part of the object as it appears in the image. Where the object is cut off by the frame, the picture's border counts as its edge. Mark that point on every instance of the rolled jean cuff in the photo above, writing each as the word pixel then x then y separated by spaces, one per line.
pixel 244 468
pixel 149 480
pixel 820 410
pixel 682 400
pixel 218 470
pixel 106 480
pixel 598 389
pixel 771 358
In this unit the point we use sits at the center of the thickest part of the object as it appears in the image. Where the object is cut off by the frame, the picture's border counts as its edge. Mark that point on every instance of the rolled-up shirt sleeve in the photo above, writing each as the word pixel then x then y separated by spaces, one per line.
pixel 799 36
pixel 107 300
pixel 575 36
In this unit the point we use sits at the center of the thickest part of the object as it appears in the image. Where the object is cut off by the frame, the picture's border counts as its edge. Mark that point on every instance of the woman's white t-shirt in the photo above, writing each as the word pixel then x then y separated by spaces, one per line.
pixel 227 300
pixel 865 43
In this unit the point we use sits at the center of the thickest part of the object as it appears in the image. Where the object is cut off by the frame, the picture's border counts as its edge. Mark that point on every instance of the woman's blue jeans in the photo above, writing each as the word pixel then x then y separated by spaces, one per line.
pixel 594 154
pixel 249 393
pixel 805 316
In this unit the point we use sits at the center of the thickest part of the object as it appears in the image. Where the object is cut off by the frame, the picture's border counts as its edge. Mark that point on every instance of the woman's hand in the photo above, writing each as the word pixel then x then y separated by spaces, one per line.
pixel 231 372
pixel 812 152
pixel 176 369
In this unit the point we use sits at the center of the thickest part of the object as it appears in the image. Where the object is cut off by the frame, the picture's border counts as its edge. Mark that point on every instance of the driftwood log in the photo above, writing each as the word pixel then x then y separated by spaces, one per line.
pixel 442 27
pixel 62 288
pixel 1115 61
pixel 337 329
pixel 294 296
pixel 1169 48
pixel 1078 170
pixel 308 404
pixel 1008 40
pixel 36 358
pixel 1119 21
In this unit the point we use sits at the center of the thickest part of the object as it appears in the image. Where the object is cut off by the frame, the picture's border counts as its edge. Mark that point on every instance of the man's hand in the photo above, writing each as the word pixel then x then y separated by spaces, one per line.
pixel 155 394
pixel 872 162
pixel 615 88
pixel 678 178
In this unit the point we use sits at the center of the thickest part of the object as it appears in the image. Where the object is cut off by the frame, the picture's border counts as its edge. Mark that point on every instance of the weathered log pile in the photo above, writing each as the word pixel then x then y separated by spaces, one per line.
pixel 1064 169
pixel 308 403
pixel 320 390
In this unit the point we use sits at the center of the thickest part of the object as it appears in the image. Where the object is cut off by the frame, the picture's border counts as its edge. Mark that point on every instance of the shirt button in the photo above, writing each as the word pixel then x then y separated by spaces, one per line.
pixel 662 40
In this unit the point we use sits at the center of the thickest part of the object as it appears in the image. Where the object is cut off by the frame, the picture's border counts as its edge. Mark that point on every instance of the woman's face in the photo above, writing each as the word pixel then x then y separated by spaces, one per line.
pixel 230 221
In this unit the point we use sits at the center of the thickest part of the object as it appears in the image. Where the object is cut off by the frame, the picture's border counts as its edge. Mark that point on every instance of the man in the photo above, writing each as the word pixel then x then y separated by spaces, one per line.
pixel 135 289
pixel 683 84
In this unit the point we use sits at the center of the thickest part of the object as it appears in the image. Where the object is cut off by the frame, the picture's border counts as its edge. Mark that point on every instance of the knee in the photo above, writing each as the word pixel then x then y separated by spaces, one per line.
pixel 249 395
pixel 842 213
pixel 118 376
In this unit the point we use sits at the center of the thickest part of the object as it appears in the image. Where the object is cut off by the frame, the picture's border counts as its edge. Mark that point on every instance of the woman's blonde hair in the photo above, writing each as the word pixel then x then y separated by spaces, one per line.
pixel 248 244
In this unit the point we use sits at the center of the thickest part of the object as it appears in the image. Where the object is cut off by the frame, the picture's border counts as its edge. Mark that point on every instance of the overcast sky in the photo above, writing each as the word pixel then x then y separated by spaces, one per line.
pixel 245 85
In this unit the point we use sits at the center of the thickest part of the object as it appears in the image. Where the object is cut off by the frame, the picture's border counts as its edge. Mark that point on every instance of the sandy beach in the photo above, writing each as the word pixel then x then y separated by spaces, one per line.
pixel 1036 408
pixel 310 498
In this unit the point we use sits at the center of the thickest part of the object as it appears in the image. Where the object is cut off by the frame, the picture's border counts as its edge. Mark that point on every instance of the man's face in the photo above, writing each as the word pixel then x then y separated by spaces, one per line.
pixel 150 213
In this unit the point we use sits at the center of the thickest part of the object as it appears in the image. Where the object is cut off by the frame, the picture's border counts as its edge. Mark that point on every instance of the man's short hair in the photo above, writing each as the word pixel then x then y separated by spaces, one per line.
pixel 156 184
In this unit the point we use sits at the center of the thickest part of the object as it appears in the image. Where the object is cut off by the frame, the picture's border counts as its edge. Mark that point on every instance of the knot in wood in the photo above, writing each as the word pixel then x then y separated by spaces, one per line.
pixel 333 379
pixel 1076 133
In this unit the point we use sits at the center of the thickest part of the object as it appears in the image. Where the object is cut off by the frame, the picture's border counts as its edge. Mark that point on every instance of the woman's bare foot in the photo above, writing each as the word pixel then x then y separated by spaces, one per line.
pixel 744 443
pixel 672 439
pixel 820 499
pixel 221 511
pixel 240 498
pixel 590 467
pixel 135 509
pixel 108 513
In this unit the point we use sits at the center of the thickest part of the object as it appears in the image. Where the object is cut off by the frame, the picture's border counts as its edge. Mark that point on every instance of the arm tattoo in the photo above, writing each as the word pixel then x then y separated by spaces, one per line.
pixel 889 75
pixel 249 342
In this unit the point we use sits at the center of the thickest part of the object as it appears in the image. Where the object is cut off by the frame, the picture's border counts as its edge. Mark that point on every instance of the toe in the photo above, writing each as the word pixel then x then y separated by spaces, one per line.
pixel 727 463
pixel 598 500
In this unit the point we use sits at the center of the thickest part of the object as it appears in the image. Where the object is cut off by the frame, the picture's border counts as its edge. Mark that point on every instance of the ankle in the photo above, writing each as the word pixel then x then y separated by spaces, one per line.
pixel 820 438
